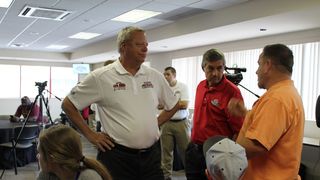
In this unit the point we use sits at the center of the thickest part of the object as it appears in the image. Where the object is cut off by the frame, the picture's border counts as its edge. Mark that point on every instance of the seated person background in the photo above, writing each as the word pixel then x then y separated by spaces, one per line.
pixel 225 159
pixel 24 109
pixel 61 157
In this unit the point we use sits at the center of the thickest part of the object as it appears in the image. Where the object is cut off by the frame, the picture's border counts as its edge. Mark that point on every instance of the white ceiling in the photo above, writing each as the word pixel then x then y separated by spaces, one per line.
pixel 182 24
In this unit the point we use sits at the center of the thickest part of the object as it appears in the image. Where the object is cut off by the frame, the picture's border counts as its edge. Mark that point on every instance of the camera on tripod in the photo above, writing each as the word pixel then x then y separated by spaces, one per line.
pixel 41 86
pixel 236 77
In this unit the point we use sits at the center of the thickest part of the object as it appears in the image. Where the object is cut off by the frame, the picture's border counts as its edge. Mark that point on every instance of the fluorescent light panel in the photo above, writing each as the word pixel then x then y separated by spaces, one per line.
pixel 56 46
pixel 84 35
pixel 135 15
pixel 5 3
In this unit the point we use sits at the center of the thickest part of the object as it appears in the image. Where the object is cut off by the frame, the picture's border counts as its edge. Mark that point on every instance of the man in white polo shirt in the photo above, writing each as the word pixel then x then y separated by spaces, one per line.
pixel 128 94
pixel 176 131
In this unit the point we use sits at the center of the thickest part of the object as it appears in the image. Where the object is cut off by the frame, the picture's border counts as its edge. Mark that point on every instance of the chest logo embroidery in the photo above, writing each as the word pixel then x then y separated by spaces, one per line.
pixel 147 84
pixel 215 102
pixel 119 86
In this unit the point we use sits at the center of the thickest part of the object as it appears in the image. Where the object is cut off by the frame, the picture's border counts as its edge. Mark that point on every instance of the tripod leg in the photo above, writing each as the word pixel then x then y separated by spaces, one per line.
pixel 14 157
pixel 17 137
pixel 47 109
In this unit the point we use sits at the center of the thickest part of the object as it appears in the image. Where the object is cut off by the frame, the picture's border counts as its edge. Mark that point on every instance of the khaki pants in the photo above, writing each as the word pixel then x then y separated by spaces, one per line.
pixel 170 131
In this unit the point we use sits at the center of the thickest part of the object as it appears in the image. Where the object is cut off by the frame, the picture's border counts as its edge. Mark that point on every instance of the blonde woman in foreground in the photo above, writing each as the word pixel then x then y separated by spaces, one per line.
pixel 60 157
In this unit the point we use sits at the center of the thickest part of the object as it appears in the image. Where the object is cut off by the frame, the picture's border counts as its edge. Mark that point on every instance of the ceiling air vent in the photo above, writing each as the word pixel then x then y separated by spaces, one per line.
pixel 44 13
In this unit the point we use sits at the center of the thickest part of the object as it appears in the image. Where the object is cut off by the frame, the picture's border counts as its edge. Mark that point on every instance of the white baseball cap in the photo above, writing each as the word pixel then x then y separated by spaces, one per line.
pixel 225 158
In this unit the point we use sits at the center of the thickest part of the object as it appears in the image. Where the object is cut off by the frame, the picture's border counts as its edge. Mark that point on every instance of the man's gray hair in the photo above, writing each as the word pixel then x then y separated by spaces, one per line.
pixel 125 35
pixel 212 55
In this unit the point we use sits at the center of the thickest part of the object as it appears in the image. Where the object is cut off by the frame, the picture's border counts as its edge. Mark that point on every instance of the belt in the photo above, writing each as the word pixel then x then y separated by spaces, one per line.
pixel 177 120
pixel 134 151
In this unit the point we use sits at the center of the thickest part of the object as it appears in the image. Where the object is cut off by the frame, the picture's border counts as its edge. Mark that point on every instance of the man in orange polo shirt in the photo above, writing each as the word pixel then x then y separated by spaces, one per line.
pixel 273 130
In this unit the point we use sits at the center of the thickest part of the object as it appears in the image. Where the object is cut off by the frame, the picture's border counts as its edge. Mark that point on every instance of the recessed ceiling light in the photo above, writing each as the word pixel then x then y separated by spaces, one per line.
pixel 84 35
pixel 135 15
pixel 55 46
pixel 5 3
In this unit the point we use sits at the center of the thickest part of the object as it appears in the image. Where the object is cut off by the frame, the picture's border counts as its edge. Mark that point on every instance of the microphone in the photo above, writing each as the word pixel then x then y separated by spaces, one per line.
pixel 237 69
pixel 318 112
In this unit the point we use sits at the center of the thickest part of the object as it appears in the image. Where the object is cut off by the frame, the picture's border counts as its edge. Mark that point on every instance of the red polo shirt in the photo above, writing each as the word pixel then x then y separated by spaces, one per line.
pixel 211 116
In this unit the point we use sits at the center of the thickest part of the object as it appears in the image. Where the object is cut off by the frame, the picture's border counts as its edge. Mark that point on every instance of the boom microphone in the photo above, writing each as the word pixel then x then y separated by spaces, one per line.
pixel 237 69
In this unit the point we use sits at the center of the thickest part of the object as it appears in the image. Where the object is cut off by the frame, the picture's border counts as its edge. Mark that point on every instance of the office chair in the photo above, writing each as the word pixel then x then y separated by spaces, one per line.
pixel 26 140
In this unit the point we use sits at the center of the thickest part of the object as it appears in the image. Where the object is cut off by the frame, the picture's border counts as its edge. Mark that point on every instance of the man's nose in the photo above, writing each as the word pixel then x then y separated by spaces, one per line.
pixel 214 72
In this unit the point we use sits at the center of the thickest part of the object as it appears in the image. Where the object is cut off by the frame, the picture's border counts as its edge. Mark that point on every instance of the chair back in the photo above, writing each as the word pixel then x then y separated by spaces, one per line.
pixel 28 134
pixel 4 117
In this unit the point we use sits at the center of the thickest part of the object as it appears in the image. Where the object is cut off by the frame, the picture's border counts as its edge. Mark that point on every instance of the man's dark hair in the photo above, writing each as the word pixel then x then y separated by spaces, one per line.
pixel 280 55
pixel 172 69
pixel 212 55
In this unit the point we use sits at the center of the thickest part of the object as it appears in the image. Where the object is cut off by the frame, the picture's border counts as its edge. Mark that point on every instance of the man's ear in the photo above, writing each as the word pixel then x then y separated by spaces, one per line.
pixel 269 61
pixel 122 46
pixel 267 65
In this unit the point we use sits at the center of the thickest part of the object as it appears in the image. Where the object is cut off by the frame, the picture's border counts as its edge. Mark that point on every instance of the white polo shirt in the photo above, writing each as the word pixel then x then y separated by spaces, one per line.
pixel 128 103
pixel 181 91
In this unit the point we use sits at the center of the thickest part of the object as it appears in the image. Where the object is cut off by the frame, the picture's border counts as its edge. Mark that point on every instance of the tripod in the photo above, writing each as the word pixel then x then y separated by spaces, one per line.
pixel 41 87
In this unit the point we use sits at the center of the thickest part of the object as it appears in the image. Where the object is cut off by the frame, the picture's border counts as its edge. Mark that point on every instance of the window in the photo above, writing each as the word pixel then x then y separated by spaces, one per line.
pixel 246 59
pixel 62 81
pixel 10 80
pixel 21 81
pixel 30 75
pixel 189 71
pixel 309 79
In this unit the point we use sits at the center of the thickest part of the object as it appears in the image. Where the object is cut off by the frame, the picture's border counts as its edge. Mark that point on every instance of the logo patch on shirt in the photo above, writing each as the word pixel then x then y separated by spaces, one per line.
pixel 215 102
pixel 119 86
pixel 147 84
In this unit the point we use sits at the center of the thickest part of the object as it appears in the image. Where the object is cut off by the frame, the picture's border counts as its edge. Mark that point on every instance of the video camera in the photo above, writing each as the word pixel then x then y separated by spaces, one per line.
pixel 41 86
pixel 236 77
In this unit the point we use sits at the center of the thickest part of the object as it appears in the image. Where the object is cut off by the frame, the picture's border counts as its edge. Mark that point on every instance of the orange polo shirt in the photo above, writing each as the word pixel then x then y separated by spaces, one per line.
pixel 277 122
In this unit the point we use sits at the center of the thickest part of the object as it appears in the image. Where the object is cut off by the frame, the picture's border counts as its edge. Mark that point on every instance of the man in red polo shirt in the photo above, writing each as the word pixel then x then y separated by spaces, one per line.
pixel 211 116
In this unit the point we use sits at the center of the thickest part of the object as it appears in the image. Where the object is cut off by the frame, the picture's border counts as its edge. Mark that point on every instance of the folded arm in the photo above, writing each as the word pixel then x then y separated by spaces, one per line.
pixel 166 115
